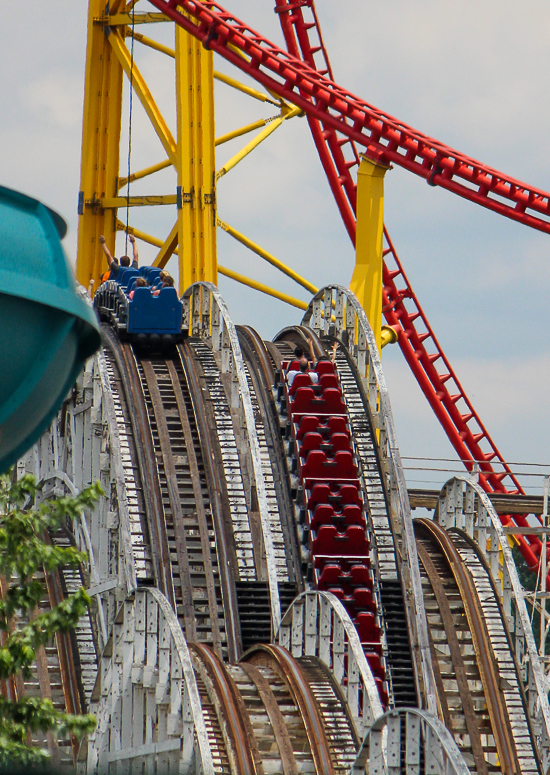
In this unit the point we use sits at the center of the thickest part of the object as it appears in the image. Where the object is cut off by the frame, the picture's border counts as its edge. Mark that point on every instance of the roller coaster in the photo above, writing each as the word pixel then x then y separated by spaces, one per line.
pixel 263 601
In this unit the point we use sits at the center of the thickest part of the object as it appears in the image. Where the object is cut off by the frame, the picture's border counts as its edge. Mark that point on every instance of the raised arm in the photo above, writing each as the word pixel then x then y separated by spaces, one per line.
pixel 103 243
pixel 311 350
pixel 134 247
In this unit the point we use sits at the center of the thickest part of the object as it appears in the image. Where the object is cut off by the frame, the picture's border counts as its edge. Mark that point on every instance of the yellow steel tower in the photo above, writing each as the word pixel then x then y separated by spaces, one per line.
pixel 100 146
pixel 195 159
pixel 191 153
pixel 107 197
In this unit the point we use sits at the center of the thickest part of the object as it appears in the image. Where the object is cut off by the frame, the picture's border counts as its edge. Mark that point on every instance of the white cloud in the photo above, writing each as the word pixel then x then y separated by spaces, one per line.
pixel 511 398
pixel 56 99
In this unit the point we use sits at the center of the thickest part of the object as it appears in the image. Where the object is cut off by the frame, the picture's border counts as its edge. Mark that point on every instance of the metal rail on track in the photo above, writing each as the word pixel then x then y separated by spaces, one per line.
pixel 239 734
pixel 464 505
pixel 130 491
pixel 185 498
pixel 276 527
pixel 145 505
pixel 261 376
pixel 172 478
pixel 230 460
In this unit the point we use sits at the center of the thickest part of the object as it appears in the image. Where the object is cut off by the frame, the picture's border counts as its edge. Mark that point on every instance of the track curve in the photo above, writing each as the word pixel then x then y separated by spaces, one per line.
pixel 480 691
pixel 384 137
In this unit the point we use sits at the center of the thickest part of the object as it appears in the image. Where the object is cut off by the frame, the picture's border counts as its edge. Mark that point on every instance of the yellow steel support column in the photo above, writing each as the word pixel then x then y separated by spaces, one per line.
pixel 100 146
pixel 195 162
pixel 366 281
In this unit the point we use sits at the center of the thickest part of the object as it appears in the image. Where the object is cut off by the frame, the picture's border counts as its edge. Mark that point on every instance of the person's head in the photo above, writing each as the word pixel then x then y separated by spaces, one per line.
pixel 163 274
pixel 115 260
pixel 298 351
pixel 323 358
pixel 168 282
pixel 125 261
pixel 141 282
pixel 304 365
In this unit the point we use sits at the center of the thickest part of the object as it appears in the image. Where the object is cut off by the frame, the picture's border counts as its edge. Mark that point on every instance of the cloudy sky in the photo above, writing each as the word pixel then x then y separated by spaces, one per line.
pixel 471 74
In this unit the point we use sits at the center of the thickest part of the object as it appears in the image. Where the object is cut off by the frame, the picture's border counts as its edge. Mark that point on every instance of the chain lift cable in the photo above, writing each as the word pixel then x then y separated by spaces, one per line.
pixel 130 106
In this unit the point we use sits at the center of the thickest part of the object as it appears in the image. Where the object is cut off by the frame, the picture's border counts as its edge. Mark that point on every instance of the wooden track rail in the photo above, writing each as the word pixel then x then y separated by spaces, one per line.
pixel 486 709
pixel 306 703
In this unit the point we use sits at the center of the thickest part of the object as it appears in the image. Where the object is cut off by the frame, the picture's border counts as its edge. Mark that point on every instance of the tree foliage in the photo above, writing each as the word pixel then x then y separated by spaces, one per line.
pixel 24 552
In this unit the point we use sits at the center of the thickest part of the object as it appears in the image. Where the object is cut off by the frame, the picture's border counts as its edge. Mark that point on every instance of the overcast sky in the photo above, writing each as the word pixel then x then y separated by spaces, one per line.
pixel 471 74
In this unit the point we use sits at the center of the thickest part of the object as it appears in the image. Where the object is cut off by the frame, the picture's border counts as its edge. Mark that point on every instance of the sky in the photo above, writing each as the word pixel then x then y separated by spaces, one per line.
pixel 473 75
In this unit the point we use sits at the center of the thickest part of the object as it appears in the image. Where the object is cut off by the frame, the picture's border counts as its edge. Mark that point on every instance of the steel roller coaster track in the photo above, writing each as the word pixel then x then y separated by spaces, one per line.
pixel 402 310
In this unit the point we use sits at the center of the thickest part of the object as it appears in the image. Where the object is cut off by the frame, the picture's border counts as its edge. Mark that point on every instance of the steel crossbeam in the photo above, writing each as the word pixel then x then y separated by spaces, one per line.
pixel 383 137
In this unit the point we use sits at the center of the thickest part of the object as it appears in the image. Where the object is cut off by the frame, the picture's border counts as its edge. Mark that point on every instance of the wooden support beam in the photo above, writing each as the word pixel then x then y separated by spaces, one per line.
pixel 503 503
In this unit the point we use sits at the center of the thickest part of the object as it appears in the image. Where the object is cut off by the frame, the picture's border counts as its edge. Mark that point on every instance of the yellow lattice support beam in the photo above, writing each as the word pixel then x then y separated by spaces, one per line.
pixel 260 137
pixel 100 148
pixel 195 164
pixel 240 278
pixel 143 93
pixel 366 281
pixel 144 173
pixel 167 248
pixel 267 256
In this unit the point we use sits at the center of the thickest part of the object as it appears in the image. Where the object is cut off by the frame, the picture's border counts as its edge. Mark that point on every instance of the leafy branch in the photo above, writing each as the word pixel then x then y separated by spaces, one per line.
pixel 26 551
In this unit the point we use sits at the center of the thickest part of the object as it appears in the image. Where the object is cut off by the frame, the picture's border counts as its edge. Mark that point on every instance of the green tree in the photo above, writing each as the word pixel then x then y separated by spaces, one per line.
pixel 23 553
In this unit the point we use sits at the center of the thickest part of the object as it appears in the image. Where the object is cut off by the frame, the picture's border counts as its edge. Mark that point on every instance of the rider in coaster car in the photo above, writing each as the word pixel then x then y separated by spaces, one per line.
pixel 168 282
pixel 124 261
pixel 332 357
pixel 298 355
pixel 304 369
pixel 141 282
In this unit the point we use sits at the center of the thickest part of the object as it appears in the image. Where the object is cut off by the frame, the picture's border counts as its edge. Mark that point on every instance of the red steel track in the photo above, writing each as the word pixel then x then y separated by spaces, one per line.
pixel 383 136
pixel 401 308
pixel 338 120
